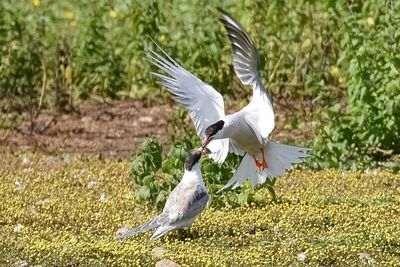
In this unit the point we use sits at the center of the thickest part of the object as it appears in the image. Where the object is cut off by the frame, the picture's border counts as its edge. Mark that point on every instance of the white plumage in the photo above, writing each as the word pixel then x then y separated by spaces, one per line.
pixel 245 132
pixel 188 199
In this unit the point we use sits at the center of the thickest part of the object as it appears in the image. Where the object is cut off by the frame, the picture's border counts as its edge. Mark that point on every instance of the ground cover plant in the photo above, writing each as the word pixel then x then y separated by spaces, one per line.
pixel 65 210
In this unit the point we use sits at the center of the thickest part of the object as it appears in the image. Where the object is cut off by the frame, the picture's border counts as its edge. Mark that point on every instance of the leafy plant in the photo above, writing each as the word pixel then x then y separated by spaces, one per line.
pixel 100 66
pixel 366 131
pixel 156 176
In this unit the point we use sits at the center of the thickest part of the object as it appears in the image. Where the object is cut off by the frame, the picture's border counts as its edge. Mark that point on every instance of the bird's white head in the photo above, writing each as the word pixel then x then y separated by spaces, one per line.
pixel 214 131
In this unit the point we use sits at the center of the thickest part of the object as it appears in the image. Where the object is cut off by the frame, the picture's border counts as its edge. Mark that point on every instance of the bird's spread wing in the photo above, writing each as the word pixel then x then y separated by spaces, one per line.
pixel 245 55
pixel 186 202
pixel 205 104
pixel 245 63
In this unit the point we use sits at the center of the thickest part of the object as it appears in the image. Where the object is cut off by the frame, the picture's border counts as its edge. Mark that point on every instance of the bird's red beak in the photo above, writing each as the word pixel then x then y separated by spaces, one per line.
pixel 206 142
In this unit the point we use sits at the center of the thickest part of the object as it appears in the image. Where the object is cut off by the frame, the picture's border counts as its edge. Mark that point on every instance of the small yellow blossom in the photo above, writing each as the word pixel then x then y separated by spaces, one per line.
pixel 112 13
pixel 342 80
pixel 69 15
pixel 36 3
pixel 370 21
pixel 162 38
pixel 73 23
pixel 335 70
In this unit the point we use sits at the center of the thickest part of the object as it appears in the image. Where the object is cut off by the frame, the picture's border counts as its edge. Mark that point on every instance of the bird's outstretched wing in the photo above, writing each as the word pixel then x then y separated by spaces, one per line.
pixel 246 65
pixel 205 104
pixel 245 55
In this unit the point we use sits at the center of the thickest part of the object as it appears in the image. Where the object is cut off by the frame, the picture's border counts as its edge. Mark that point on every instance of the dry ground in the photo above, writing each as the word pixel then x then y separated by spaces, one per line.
pixel 114 130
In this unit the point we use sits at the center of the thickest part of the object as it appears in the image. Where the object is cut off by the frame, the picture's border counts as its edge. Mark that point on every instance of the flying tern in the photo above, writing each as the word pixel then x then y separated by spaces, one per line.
pixel 185 202
pixel 245 132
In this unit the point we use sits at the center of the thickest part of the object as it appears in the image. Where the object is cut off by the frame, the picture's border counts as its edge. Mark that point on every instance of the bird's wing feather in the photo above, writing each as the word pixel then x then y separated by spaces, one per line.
pixel 245 55
pixel 191 201
pixel 205 104
pixel 245 63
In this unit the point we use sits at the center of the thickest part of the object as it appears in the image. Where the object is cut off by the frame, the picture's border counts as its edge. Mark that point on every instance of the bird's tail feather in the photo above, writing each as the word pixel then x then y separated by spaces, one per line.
pixel 140 229
pixel 279 158
pixel 246 170
pixel 161 231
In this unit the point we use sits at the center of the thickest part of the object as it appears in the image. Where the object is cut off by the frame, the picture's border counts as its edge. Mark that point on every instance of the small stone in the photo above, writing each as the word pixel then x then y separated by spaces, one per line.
pixel 147 119
pixel 366 258
pixel 302 257
pixel 18 228
pixel 92 183
pixel 25 160
pixel 103 197
pixel 21 264
pixel 159 251
pixel 166 263
pixel 18 185
pixel 86 119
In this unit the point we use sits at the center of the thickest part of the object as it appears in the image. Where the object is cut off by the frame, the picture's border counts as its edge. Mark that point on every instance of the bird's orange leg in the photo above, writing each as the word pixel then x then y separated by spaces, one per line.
pixel 258 164
pixel 264 164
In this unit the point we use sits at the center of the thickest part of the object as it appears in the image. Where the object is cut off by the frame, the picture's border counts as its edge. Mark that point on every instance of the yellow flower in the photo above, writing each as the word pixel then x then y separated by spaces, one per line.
pixel 335 70
pixel 162 38
pixel 68 74
pixel 73 23
pixel 69 15
pixel 342 80
pixel 370 21
pixel 36 3
pixel 112 13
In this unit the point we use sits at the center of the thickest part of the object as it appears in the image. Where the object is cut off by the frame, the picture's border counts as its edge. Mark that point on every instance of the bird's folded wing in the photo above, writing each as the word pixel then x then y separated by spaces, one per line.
pixel 189 204
pixel 205 104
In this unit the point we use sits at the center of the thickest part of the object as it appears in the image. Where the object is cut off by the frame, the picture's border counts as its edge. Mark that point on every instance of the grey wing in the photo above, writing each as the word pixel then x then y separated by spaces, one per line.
pixel 245 55
pixel 198 204
pixel 185 203
pixel 204 103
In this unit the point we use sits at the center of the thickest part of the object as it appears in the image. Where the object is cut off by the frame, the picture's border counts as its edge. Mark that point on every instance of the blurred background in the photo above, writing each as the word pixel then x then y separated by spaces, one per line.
pixel 332 68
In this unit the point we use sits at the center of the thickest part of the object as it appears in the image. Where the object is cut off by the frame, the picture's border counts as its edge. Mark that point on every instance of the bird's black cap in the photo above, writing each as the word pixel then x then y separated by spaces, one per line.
pixel 192 158
pixel 214 128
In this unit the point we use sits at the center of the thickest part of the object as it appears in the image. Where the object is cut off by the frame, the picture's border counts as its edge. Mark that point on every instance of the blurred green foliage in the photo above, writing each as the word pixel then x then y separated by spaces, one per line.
pixel 332 64
pixel 365 131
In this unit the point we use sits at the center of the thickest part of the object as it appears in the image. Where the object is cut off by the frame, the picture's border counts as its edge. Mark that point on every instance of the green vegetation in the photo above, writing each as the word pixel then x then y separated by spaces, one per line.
pixel 157 177
pixel 65 210
pixel 333 64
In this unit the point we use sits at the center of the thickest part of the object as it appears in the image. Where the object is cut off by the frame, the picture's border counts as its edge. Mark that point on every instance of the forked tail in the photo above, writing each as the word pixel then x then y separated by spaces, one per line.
pixel 140 229
pixel 279 158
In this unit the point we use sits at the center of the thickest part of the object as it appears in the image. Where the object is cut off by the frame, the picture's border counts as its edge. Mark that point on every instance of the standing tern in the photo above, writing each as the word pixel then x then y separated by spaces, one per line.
pixel 185 202
pixel 245 132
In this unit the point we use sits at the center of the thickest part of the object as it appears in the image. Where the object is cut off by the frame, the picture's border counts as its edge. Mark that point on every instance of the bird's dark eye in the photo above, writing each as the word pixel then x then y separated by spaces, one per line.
pixel 214 128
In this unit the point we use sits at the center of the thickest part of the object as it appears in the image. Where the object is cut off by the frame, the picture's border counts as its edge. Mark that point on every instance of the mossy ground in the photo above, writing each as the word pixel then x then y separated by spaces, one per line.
pixel 62 210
